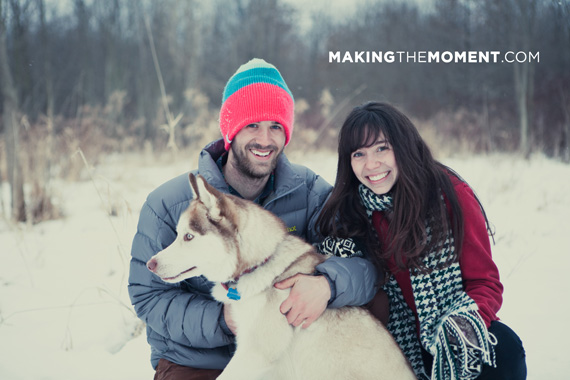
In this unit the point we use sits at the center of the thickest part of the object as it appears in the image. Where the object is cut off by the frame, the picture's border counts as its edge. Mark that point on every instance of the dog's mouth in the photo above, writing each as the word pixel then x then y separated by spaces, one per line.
pixel 174 278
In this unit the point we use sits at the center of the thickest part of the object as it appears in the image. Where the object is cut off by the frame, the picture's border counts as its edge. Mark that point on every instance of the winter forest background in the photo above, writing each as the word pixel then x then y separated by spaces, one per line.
pixel 126 75
pixel 103 100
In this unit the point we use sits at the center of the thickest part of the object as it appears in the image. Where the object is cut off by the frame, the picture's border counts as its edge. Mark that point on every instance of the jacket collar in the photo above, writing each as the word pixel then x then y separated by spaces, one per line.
pixel 286 178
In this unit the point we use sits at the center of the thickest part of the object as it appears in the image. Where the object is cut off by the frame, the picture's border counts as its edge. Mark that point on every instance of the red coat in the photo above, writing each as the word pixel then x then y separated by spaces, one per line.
pixel 480 274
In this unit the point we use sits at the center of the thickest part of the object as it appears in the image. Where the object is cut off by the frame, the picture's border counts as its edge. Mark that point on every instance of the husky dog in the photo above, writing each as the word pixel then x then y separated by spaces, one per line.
pixel 245 250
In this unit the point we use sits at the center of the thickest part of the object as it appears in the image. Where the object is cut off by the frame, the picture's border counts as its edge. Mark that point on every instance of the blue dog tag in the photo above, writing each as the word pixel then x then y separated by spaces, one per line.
pixel 233 294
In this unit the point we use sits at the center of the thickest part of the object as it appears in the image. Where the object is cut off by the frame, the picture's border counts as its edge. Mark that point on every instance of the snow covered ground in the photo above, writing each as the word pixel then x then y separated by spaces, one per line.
pixel 65 312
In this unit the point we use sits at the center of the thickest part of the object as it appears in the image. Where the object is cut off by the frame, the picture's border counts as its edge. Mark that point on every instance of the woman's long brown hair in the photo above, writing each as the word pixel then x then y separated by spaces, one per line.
pixel 416 194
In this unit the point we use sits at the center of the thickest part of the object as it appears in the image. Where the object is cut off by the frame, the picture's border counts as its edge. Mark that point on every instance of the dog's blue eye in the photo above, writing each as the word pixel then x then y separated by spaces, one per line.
pixel 188 237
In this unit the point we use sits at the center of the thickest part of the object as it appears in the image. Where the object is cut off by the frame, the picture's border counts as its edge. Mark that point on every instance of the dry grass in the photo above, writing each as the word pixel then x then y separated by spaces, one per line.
pixel 101 131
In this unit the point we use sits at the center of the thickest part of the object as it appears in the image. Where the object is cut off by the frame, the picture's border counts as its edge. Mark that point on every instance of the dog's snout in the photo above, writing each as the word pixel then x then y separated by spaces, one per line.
pixel 152 264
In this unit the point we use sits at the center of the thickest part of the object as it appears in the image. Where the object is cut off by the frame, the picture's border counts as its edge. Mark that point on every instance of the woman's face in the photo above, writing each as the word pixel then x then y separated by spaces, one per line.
pixel 375 166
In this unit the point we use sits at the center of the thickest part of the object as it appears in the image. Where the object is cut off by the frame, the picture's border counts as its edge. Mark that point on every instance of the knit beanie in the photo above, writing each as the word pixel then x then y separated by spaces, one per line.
pixel 256 92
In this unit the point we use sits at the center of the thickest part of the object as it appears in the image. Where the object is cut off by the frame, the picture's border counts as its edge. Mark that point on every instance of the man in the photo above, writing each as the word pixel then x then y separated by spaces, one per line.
pixel 191 335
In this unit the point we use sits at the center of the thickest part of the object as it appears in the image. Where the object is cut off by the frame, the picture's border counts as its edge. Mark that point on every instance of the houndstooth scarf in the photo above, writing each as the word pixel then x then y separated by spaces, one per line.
pixel 451 329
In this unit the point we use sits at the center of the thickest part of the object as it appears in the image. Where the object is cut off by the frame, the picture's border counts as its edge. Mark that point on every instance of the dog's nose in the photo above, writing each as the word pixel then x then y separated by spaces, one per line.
pixel 151 264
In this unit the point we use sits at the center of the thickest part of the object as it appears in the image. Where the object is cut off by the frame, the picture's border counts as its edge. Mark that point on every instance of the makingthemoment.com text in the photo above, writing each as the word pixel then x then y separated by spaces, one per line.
pixel 433 57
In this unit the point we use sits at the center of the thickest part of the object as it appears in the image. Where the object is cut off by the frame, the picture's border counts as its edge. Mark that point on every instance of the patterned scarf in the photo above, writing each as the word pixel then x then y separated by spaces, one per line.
pixel 451 329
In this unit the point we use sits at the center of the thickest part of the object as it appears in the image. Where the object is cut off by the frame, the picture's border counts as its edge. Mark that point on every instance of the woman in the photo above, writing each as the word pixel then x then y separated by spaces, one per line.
pixel 427 232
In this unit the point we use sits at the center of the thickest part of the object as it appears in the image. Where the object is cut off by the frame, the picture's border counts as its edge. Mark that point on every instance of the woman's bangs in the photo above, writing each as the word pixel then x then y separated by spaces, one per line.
pixel 365 136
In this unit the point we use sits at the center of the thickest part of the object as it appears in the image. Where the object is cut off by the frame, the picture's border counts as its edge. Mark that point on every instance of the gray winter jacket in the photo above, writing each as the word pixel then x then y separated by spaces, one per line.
pixel 184 324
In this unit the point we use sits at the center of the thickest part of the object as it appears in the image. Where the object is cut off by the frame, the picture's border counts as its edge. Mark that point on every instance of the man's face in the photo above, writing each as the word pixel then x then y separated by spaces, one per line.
pixel 256 148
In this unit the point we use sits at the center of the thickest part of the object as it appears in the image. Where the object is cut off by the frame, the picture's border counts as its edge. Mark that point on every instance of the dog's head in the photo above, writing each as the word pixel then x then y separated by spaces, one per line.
pixel 206 243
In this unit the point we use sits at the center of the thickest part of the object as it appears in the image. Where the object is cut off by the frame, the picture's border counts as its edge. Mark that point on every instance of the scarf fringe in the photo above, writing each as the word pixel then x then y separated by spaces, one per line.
pixel 462 359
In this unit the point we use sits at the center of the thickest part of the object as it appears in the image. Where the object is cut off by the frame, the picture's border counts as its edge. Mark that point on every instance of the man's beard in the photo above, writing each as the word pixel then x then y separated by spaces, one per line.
pixel 246 166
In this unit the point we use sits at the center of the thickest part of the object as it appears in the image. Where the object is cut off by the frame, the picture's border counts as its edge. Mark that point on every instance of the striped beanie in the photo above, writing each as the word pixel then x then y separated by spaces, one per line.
pixel 256 92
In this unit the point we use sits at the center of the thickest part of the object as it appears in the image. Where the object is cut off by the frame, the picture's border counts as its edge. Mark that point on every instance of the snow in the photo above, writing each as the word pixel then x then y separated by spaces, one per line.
pixel 65 311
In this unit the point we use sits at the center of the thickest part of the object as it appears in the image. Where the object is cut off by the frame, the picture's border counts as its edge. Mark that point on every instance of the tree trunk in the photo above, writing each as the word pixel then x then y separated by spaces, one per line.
pixel 521 91
pixel 566 129
pixel 50 96
pixel 490 141
pixel 524 71
pixel 11 127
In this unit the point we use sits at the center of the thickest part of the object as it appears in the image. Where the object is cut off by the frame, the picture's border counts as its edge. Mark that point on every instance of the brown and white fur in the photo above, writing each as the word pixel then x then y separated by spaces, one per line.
pixel 230 240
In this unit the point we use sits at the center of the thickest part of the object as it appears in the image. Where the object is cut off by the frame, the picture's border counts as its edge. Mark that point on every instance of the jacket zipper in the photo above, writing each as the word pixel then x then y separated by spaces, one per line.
pixel 283 195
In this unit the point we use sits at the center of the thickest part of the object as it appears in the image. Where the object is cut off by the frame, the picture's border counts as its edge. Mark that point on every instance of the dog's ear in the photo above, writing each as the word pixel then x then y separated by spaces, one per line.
pixel 208 195
pixel 194 185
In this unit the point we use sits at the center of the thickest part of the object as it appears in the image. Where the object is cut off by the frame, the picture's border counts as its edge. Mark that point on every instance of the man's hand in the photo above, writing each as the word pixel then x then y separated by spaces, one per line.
pixel 308 298
pixel 228 318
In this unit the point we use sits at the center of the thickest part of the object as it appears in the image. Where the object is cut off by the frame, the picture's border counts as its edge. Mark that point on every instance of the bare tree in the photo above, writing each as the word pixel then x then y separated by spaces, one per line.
pixel 11 128
pixel 522 32
pixel 172 121
pixel 566 129
pixel 49 88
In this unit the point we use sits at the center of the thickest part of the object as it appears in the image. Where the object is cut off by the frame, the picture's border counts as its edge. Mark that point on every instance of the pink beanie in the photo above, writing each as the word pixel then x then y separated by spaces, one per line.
pixel 256 92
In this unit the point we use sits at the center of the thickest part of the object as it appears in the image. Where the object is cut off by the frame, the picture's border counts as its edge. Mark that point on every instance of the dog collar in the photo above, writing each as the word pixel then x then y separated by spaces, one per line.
pixel 231 286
